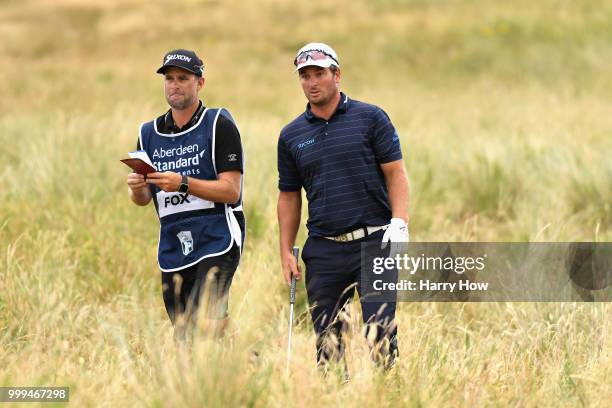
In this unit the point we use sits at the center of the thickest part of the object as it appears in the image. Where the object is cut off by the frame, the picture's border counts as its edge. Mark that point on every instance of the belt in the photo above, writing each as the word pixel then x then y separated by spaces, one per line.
pixel 356 234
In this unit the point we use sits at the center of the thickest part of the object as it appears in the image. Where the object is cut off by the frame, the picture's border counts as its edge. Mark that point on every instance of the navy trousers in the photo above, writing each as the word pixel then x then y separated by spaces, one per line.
pixel 333 272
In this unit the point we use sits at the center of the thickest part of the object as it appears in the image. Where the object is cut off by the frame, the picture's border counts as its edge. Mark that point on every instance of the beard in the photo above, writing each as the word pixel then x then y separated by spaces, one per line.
pixel 180 104
pixel 322 99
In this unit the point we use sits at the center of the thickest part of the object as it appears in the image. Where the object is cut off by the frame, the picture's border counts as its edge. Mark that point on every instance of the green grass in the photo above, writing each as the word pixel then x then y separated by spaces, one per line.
pixel 503 112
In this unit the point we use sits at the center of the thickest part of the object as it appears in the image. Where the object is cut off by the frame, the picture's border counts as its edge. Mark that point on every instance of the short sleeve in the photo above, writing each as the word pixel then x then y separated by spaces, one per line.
pixel 288 176
pixel 385 140
pixel 228 149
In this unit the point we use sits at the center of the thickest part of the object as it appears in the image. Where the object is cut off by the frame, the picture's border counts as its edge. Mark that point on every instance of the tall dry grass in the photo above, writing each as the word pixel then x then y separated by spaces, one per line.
pixel 503 115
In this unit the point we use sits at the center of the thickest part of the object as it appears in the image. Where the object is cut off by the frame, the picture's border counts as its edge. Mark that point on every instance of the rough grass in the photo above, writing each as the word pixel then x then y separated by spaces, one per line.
pixel 503 111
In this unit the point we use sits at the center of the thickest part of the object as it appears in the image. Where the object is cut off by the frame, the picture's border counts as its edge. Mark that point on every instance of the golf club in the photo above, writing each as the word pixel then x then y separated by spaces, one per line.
pixel 296 253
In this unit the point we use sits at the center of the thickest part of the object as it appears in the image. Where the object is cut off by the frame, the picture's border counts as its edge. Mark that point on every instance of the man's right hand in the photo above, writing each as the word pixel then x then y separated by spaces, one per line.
pixel 139 189
pixel 290 267
pixel 136 182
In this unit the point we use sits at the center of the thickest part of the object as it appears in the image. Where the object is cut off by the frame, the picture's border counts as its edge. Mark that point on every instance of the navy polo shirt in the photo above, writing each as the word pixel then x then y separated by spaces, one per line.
pixel 338 163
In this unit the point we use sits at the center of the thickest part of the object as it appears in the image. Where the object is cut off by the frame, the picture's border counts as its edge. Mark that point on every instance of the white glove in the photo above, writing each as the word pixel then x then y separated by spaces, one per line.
pixel 397 231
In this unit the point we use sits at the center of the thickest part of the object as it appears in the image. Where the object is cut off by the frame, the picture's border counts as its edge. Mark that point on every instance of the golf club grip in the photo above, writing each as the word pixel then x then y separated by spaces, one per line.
pixel 292 293
pixel 296 254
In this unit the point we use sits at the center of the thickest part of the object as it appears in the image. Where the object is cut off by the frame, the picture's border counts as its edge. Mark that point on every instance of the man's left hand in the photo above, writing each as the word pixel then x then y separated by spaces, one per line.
pixel 397 231
pixel 168 181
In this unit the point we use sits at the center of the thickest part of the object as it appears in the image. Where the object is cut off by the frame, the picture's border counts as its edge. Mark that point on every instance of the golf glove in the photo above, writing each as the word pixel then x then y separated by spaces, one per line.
pixel 397 231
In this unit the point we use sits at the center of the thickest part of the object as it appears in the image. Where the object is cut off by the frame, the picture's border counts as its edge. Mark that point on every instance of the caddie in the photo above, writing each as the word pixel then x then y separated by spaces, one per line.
pixel 346 155
pixel 197 193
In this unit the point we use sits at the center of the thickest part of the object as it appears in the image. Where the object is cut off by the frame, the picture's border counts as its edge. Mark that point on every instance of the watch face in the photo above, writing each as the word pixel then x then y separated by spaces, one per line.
pixel 184 185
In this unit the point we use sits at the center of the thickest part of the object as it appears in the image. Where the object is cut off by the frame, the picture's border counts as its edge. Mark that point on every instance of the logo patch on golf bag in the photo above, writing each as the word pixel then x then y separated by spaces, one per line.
pixel 186 241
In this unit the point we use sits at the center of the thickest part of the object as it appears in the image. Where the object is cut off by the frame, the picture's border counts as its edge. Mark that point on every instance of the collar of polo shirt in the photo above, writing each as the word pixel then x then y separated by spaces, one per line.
pixel 342 107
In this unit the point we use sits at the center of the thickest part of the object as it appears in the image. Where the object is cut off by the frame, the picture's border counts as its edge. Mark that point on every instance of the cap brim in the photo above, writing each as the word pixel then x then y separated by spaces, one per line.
pixel 163 69
pixel 326 63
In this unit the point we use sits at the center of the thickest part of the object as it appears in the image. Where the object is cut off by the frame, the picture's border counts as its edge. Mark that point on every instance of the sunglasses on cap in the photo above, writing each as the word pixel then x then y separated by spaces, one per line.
pixel 314 55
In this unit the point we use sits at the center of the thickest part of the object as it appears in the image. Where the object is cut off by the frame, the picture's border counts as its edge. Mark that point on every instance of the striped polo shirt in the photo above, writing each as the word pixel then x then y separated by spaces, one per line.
pixel 338 163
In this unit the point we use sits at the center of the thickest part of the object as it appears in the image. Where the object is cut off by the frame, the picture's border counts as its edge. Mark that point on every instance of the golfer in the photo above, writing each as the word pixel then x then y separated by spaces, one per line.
pixel 346 155
pixel 197 193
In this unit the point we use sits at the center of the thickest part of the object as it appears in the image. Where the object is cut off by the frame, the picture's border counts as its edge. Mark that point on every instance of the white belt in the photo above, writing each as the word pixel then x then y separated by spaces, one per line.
pixel 357 234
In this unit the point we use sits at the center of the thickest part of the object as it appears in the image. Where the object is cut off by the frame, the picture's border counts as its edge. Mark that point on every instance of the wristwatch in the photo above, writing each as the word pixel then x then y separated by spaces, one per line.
pixel 184 185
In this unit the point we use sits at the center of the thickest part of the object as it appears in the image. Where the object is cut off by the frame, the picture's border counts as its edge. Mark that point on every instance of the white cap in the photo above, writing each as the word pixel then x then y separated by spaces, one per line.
pixel 332 57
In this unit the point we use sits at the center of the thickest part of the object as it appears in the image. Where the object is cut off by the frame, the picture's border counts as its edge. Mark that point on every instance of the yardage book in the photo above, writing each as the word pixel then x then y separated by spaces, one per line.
pixel 140 162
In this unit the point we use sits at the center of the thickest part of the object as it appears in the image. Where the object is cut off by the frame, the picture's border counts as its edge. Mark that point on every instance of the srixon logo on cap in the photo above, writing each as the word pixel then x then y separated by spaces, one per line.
pixel 177 56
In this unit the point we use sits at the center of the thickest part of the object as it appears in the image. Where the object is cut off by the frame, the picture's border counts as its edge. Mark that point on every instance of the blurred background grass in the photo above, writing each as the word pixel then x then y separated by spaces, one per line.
pixel 503 112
